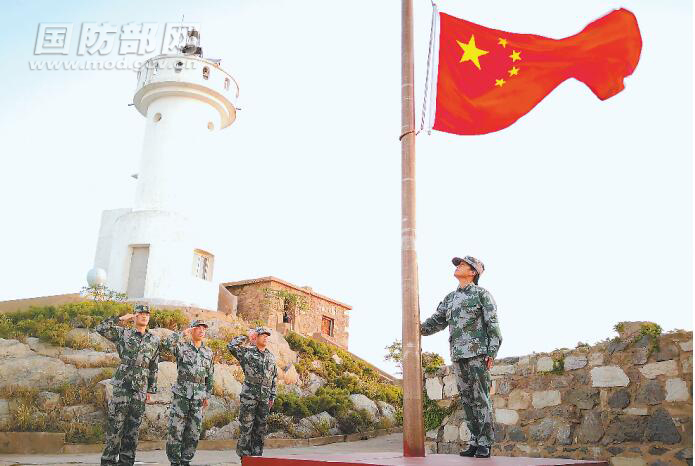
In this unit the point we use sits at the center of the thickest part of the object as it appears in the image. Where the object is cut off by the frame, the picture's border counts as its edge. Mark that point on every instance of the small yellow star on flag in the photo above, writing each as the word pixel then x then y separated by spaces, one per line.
pixel 502 42
pixel 500 82
pixel 471 52
pixel 514 71
pixel 515 56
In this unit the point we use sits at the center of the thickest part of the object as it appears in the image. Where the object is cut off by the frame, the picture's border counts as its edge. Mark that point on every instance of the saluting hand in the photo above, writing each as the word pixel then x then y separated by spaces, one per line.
pixel 126 317
pixel 489 362
pixel 252 335
pixel 205 403
pixel 270 404
pixel 147 398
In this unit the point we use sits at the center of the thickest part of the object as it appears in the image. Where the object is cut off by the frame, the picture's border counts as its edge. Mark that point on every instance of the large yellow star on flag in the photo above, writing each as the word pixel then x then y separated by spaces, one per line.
pixel 471 52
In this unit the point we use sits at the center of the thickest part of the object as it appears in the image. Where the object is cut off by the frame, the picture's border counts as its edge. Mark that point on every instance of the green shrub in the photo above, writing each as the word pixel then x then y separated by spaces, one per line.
pixel 82 432
pixel 355 421
pixel 280 422
pixel 172 319
pixel 220 419
pixel 433 413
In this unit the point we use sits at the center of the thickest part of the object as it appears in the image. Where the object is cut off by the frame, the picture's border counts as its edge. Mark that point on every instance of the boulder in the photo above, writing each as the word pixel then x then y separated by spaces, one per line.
pixel 284 356
pixel 230 431
pixel 359 401
pixel 93 339
pixel 106 388
pixel 309 425
pixel 89 358
pixel 386 410
pixel 166 378
pixel 503 370
pixel 224 382
pixel 46 401
pixel 290 376
pixel 156 419
pixel 218 405
pixel 38 372
pixel 14 349
pixel 336 359
pixel 314 382
pixel 162 332
pixel 69 413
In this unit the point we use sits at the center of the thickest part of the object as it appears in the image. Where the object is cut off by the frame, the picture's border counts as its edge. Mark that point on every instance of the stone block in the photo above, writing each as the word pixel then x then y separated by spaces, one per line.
pixel 654 369
pixel 464 433
pixel 619 400
pixel 46 401
pixel 563 433
pixel 434 388
pixel 544 364
pixel 451 433
pixel 591 429
pixel 519 399
pixel 686 345
pixel 687 364
pixel 499 402
pixel 516 434
pixel 625 429
pixel 677 390
pixel 661 428
pixel 502 370
pixel 542 430
pixel 609 376
pixel 651 392
pixel 432 434
pixel 575 362
pixel 506 416
pixel 666 352
pixel 595 359
pixel 546 398
pixel 639 356
pixel 450 388
pixel 636 411
pixel 583 398
pixel 627 461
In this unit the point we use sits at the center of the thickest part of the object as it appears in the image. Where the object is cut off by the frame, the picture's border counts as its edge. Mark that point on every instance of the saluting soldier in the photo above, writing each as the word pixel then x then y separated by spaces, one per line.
pixel 134 381
pixel 194 382
pixel 474 339
pixel 259 390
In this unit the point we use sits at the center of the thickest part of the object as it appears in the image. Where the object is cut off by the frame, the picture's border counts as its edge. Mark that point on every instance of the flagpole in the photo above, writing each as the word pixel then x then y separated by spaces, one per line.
pixel 413 425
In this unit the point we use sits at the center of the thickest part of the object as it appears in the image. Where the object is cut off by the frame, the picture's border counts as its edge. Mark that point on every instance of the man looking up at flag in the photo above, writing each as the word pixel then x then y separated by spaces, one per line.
pixel 474 338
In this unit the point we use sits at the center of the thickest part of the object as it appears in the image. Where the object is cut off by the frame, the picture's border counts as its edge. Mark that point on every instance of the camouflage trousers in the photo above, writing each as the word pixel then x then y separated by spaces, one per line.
pixel 473 381
pixel 126 409
pixel 185 422
pixel 253 423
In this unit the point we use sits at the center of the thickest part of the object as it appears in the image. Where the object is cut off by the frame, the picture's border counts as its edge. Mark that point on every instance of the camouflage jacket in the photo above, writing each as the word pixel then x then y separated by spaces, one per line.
pixel 196 368
pixel 260 371
pixel 139 355
pixel 471 315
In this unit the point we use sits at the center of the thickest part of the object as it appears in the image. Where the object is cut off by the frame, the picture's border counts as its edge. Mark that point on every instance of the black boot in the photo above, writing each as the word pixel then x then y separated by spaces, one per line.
pixel 470 452
pixel 482 452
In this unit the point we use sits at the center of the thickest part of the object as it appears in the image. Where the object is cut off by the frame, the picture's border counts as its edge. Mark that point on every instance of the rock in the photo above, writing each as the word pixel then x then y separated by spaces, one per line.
pixel 166 378
pixel 628 330
pixel 502 370
pixel 686 345
pixel 44 349
pixel 616 346
pixel 583 398
pixel 386 410
pixel 336 359
pixel 450 388
pixel 46 401
pixel 591 429
pixel 687 364
pixel 451 433
pixel 654 369
pixel 89 358
pixel 500 432
pixel 677 390
pixel 4 407
pixel 620 399
pixel 658 451
pixel 218 405
pixel 310 426
pixel 88 374
pixel 360 401
pixel 575 362
pixel 93 339
pixel 314 382
pixel 499 402
pixel 506 416
pixel 625 461
pixel 228 432
pixel 156 419
pixel 562 381
pixel 464 433
pixel 164 333
pixel 546 398
pixel 434 388
pixel 625 429
pixel 107 389
pixel 666 352
pixel 38 372
pixel 542 430
pixel 284 356
pixel 291 376
pixel 639 356
pixel 685 454
pixel 316 365
pixel 608 376
pixel 14 349
pixel 635 411
pixel 69 413
pixel 224 382
pixel 503 386
pixel 563 433
pixel 595 359
pixel 516 434
pixel 544 364
pixel 519 399
pixel 650 392
pixel 432 434
pixel 661 428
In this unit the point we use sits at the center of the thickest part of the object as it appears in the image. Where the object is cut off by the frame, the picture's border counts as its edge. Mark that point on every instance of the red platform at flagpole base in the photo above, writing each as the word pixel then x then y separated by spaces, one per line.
pixel 397 459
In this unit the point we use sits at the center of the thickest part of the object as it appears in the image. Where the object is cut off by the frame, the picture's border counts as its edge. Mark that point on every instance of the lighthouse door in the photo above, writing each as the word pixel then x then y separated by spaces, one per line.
pixel 138 271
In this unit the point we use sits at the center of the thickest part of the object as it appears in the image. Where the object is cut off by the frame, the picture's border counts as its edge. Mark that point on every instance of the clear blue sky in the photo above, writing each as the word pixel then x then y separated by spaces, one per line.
pixel 581 211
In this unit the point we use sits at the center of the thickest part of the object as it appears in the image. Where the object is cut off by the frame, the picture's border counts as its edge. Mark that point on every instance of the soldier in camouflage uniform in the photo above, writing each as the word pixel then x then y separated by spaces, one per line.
pixel 258 392
pixel 474 339
pixel 193 387
pixel 134 380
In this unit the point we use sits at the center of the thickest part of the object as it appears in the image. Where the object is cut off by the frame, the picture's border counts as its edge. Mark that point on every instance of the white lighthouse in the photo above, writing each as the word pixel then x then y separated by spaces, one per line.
pixel 153 251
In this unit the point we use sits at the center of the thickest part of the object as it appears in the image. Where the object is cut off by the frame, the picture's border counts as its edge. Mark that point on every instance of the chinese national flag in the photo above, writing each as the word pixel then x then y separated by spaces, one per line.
pixel 488 79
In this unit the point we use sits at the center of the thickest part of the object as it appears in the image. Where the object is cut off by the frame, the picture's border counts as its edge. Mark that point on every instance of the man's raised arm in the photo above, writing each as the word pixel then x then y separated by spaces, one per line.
pixel 436 322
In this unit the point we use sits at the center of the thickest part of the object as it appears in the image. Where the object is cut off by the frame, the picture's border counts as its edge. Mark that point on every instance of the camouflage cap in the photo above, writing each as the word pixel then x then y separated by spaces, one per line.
pixel 198 323
pixel 477 265
pixel 141 308
pixel 261 330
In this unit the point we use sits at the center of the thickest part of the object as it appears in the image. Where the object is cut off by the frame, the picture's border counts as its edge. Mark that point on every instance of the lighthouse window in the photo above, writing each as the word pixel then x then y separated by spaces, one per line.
pixel 226 84
pixel 206 72
pixel 178 67
pixel 202 264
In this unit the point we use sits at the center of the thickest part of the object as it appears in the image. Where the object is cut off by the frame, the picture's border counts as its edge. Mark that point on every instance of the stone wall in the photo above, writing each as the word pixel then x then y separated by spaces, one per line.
pixel 623 400
pixel 255 303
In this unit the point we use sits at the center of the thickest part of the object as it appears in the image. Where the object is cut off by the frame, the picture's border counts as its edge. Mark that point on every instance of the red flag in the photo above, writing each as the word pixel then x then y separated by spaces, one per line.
pixel 488 79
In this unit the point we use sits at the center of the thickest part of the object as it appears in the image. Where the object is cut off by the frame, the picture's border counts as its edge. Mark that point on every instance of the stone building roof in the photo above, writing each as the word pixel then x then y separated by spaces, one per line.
pixel 306 290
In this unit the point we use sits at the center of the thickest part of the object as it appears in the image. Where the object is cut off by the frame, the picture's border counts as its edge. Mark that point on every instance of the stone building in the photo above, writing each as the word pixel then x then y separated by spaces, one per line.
pixel 283 306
